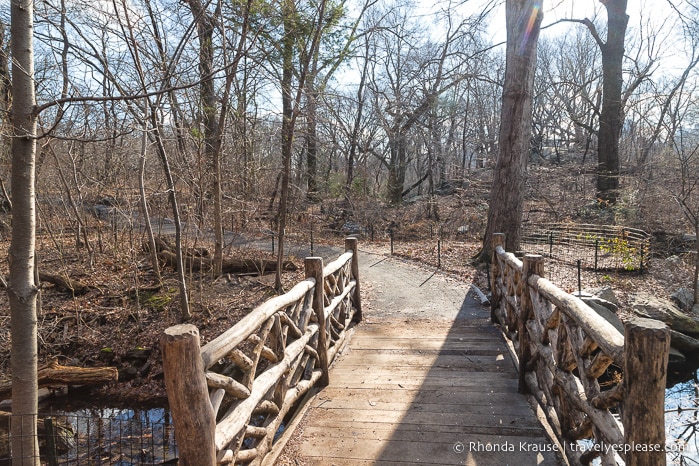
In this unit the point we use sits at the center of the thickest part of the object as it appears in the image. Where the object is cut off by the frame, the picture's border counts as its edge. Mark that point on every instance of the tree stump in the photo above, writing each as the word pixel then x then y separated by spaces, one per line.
pixel 645 372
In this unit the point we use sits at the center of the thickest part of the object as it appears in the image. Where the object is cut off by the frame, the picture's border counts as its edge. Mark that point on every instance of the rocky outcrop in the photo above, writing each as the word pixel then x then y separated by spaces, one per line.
pixel 604 302
pixel 649 306
pixel 684 299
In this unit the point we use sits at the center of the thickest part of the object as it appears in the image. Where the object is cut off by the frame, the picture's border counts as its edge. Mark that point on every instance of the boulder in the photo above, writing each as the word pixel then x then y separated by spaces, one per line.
pixel 676 357
pixel 684 298
pixel 606 293
pixel 683 343
pixel 604 309
pixel 652 307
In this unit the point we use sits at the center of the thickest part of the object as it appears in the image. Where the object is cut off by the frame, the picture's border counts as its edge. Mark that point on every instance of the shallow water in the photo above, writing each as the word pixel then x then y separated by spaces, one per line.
pixel 111 435
pixel 682 416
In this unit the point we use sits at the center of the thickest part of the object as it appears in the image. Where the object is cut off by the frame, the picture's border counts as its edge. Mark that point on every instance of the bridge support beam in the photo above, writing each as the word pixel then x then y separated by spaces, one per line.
pixel 314 269
pixel 351 245
pixel 646 352
pixel 533 264
pixel 498 240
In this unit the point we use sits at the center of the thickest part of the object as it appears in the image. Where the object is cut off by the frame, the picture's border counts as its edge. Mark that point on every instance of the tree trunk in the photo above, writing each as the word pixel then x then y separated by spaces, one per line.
pixel 610 120
pixel 172 195
pixel 288 13
pixel 205 23
pixel 143 197
pixel 312 135
pixel 397 167
pixel 507 193
pixel 696 263
pixel 354 139
pixel 22 290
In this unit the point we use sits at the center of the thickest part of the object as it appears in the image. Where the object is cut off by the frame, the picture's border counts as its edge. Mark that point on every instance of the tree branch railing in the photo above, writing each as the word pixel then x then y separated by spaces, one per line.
pixel 229 398
pixel 602 391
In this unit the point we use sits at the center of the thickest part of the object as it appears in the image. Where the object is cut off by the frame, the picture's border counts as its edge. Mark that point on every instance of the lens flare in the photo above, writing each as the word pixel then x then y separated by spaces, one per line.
pixel 530 27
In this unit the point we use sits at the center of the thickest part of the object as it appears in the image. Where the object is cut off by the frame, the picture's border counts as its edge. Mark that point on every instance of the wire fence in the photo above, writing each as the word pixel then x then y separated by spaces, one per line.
pixel 96 437
pixel 577 249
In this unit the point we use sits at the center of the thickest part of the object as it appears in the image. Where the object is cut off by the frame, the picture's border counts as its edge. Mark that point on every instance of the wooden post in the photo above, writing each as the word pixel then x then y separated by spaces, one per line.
pixel 498 240
pixel 188 396
pixel 314 269
pixel 646 351
pixel 351 244
pixel 532 264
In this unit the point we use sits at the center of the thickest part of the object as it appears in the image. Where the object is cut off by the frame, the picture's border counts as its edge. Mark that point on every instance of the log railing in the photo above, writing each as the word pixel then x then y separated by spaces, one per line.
pixel 229 398
pixel 580 368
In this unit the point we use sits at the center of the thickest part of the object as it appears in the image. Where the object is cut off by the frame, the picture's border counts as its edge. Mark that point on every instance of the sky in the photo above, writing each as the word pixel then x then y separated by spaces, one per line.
pixel 555 10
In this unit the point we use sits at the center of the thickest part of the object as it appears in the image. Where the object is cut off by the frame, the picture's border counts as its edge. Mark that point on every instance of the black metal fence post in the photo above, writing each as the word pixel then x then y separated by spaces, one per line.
pixel 596 252
pixel 579 278
pixel 390 232
pixel 551 244
pixel 312 239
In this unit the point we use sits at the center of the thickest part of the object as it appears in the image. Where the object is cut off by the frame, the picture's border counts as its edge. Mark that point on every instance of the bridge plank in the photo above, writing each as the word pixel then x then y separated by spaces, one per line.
pixel 423 373
pixel 412 400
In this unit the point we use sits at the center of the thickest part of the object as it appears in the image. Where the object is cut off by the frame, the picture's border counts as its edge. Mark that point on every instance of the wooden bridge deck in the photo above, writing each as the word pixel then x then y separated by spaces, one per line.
pixel 425 379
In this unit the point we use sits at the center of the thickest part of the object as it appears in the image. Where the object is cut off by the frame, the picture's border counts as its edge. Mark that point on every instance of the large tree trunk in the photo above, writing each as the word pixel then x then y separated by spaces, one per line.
pixel 206 23
pixel 610 120
pixel 22 289
pixel 507 193
pixel 397 167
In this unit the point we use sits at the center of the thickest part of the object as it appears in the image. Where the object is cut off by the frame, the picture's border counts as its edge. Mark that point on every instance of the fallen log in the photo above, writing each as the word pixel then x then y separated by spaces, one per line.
pixel 65 283
pixel 248 266
pixel 55 374
pixel 196 262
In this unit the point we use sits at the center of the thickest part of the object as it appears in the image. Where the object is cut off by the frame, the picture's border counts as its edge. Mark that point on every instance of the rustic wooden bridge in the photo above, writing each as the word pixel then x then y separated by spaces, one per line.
pixel 426 379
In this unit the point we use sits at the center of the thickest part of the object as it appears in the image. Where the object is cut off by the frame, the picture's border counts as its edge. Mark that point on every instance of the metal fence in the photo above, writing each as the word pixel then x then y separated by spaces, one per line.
pixel 608 249
pixel 96 437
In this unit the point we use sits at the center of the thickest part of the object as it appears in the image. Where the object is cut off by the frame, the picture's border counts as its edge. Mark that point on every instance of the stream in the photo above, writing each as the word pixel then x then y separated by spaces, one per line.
pixel 106 435
pixel 682 415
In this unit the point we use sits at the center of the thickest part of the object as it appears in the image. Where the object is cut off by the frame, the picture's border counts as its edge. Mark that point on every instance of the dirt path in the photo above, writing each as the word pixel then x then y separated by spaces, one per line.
pixel 425 379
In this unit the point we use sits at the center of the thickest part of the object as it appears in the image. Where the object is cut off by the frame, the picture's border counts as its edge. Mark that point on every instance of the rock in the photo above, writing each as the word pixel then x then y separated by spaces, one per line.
pixel 604 309
pixel 649 306
pixel 606 293
pixel 128 373
pixel 137 355
pixel 684 298
pixel 674 260
pixel 351 228
pixel 684 343
pixel 676 357
pixel 612 307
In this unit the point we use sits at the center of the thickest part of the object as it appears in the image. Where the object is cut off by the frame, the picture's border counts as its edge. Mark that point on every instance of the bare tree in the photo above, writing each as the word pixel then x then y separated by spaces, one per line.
pixel 291 100
pixel 507 193
pixel 409 74
pixel 611 114
pixel 22 289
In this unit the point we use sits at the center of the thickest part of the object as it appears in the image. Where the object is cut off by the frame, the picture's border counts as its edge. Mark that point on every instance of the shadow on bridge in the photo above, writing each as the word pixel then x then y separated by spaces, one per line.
pixel 426 379
pixel 457 402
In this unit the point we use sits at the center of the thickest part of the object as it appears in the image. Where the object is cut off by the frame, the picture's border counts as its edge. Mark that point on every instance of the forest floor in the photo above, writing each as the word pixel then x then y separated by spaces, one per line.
pixel 120 318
